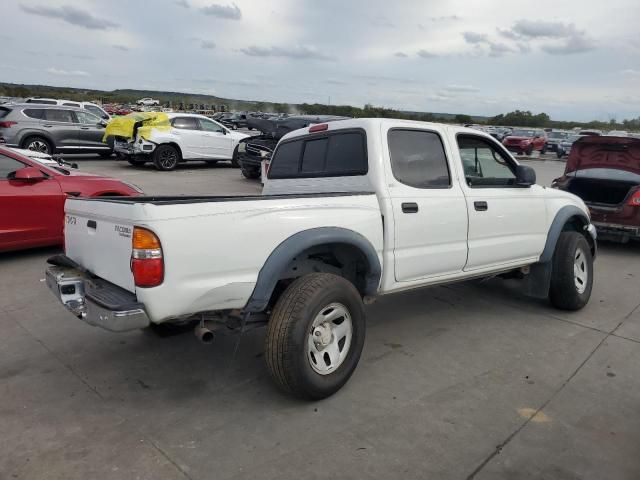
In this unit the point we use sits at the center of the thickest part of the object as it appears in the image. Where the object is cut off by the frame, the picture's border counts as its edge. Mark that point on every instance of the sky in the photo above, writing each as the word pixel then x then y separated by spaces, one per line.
pixel 573 59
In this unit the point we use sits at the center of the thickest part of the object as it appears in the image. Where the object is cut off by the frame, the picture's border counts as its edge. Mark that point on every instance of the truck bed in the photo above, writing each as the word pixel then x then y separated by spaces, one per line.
pixel 213 246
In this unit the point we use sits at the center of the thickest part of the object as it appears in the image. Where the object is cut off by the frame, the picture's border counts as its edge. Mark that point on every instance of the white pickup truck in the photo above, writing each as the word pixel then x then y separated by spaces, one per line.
pixel 350 210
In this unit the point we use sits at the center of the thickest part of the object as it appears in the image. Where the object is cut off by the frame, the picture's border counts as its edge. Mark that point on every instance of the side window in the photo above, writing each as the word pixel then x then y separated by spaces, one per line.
pixel 185 123
pixel 35 113
pixel 95 110
pixel 58 115
pixel 314 155
pixel 285 161
pixel 334 155
pixel 484 164
pixel 418 159
pixel 209 126
pixel 87 118
pixel 8 165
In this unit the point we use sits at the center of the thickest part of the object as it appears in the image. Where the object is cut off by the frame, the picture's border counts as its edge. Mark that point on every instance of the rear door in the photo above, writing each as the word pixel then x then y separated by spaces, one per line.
pixel 507 223
pixel 429 208
pixel 215 142
pixel 62 127
pixel 31 213
pixel 187 129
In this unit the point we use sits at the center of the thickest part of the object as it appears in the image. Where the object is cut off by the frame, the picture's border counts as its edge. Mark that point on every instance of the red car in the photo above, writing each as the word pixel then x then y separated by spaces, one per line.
pixel 526 140
pixel 32 199
pixel 605 173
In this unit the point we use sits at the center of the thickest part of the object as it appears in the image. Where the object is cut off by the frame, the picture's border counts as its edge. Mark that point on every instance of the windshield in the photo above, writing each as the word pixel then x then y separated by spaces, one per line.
pixel 557 135
pixel 524 133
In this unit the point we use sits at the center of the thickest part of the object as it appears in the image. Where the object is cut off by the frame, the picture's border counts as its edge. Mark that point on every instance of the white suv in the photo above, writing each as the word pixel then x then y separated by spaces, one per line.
pixel 190 137
pixel 91 107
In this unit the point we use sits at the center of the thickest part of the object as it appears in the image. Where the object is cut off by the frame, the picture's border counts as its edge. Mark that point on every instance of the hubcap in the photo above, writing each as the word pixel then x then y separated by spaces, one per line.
pixel 329 338
pixel 38 146
pixel 580 272
pixel 168 158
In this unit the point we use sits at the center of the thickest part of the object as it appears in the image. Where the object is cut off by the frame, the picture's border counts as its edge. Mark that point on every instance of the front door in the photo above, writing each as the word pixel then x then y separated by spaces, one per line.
pixel 90 131
pixel 429 209
pixel 507 223
pixel 216 142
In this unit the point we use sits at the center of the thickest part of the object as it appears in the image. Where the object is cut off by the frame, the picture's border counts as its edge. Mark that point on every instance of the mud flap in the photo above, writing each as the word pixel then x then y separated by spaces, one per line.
pixel 537 283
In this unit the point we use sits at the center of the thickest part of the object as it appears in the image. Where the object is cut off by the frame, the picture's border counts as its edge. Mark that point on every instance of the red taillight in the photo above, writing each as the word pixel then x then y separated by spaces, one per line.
pixel 7 124
pixel 147 263
pixel 634 201
pixel 321 127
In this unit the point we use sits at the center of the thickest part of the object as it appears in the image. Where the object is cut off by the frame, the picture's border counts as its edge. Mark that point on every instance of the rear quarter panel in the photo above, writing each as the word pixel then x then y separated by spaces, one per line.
pixel 213 252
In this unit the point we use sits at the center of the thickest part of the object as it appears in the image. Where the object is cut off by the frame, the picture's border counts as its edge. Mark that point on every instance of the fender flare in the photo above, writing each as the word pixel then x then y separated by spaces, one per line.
pixel 538 282
pixel 560 220
pixel 282 255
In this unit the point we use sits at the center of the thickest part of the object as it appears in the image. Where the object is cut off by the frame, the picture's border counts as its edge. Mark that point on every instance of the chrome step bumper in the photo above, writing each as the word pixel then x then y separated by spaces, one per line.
pixel 96 301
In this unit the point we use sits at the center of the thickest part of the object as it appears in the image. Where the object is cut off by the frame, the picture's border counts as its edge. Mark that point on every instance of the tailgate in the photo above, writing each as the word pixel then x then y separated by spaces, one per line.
pixel 97 236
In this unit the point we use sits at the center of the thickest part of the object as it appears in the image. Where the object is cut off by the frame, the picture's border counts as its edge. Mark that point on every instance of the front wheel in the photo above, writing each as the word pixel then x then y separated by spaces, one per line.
pixel 315 336
pixel 251 173
pixel 235 163
pixel 529 150
pixel 544 150
pixel 572 272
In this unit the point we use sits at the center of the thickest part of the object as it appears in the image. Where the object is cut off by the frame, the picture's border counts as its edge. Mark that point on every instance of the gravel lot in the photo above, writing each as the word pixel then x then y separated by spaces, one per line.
pixel 472 380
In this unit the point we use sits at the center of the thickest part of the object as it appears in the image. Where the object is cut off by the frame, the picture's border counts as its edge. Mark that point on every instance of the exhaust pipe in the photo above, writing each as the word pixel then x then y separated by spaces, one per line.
pixel 203 334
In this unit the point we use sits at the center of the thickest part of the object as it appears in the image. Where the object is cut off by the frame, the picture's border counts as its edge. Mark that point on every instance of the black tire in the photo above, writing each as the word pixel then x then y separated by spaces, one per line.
pixel 166 157
pixel 568 290
pixel 560 153
pixel 38 143
pixel 287 350
pixel 529 150
pixel 544 149
pixel 105 154
pixel 234 159
pixel 251 173
pixel 136 163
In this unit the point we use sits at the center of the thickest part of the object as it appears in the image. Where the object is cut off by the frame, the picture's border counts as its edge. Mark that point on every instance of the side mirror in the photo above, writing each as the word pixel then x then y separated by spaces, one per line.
pixel 28 174
pixel 105 116
pixel 525 176
pixel 102 124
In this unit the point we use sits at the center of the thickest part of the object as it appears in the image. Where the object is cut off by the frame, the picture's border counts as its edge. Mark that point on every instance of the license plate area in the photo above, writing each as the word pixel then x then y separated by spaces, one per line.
pixel 68 285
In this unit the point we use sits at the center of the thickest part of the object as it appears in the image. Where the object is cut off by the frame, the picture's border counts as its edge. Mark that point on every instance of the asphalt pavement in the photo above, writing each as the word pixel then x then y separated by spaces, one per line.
pixel 472 380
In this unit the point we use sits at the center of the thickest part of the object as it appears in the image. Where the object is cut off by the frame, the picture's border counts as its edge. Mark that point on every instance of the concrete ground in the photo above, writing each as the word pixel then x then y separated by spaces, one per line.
pixel 465 381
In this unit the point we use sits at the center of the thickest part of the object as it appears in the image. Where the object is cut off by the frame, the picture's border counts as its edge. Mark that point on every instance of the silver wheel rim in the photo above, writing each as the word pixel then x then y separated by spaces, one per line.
pixel 329 338
pixel 38 146
pixel 168 158
pixel 580 271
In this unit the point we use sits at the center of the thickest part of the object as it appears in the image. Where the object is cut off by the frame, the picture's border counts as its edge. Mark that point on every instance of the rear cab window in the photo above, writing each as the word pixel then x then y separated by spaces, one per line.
pixel 331 154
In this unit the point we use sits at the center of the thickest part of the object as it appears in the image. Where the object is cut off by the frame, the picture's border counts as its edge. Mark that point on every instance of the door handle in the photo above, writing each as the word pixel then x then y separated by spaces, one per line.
pixel 84 128
pixel 481 206
pixel 410 207
pixel 47 126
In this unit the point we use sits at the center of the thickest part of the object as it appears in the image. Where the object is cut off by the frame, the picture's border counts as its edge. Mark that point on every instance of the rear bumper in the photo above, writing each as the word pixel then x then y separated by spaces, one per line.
pixel 96 301
pixel 622 232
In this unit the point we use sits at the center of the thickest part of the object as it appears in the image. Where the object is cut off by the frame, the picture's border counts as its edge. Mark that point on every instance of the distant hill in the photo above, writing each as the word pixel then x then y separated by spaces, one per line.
pixel 175 98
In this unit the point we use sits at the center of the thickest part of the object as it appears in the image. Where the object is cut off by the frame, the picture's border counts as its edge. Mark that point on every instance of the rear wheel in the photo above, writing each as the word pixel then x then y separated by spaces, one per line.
pixel 166 157
pixel 315 336
pixel 572 274
pixel 38 144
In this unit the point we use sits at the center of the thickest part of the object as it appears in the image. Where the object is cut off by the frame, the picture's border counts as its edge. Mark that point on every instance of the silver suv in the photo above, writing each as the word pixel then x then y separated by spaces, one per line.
pixel 52 128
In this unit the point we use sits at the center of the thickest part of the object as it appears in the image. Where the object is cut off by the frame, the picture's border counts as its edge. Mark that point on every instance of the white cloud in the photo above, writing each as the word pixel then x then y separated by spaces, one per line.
pixel 68 73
